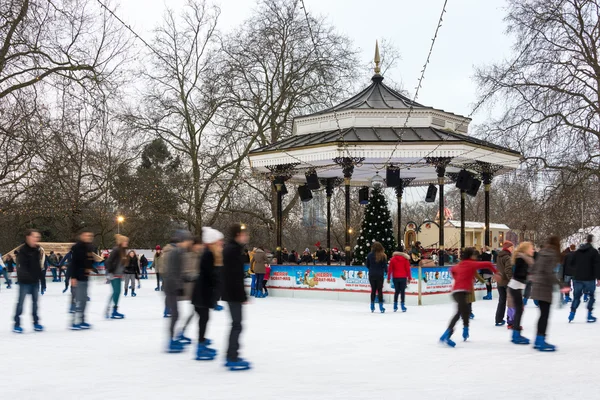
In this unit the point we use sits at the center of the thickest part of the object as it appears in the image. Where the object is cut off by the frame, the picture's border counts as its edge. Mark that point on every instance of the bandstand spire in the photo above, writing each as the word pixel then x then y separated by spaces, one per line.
pixel 377 58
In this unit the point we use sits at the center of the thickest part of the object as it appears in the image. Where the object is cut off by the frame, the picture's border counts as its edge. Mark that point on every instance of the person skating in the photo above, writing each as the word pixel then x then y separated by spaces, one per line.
pixel 4 272
pixel 399 271
pixel 267 277
pixel 115 267
pixel 206 290
pixel 9 262
pixel 190 272
pixel 543 281
pixel 53 264
pixel 155 265
pixel 568 271
pixel 486 273
pixel 463 274
pixel 173 283
pixel 504 264
pixel 82 265
pixel 376 263
pixel 522 260
pixel 586 262
pixel 144 266
pixel 260 265
pixel 131 272
pixel 234 292
pixel 30 261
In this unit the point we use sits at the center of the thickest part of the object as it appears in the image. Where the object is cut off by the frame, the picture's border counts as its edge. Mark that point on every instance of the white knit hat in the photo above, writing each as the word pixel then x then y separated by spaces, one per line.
pixel 210 235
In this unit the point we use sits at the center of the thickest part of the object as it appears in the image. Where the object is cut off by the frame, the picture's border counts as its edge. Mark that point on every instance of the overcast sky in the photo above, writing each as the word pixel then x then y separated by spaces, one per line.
pixel 473 33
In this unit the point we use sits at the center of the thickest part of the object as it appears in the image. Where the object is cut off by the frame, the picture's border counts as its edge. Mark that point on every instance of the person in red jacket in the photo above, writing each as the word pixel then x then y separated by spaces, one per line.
pixel 464 276
pixel 399 270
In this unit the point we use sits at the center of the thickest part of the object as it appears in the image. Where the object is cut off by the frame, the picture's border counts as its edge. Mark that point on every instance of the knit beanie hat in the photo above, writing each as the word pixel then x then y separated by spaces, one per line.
pixel 158 248
pixel 210 235
pixel 507 245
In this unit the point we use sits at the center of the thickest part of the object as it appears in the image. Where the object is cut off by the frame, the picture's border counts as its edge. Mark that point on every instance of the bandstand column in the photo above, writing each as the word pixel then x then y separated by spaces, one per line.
pixel 463 197
pixel 347 164
pixel 487 182
pixel 440 164
pixel 404 182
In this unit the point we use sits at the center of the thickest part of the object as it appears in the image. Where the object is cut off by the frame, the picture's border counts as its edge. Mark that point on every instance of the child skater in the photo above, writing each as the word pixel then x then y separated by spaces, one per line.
pixel 464 275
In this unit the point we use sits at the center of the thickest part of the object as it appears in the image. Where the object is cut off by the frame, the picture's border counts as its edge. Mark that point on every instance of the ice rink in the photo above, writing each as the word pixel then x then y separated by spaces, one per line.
pixel 300 349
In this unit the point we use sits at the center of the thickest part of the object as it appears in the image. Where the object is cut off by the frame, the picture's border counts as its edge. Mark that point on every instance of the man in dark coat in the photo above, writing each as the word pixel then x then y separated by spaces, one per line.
pixel 234 292
pixel 30 262
pixel 82 265
pixel 568 270
pixel 587 269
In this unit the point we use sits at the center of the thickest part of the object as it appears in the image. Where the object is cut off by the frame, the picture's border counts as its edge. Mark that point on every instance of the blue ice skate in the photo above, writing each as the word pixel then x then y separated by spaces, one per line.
pixel 204 353
pixel 501 323
pixel 403 307
pixel 175 347
pixel 381 309
pixel 38 328
pixel 237 365
pixel 541 345
pixel 591 318
pixel 372 307
pixel 446 338
pixel 17 329
pixel 395 306
pixel 518 339
pixel 465 334
pixel 571 316
pixel 183 339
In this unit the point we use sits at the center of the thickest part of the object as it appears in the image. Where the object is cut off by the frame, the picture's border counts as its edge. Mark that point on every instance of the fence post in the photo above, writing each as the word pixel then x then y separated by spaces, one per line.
pixel 420 278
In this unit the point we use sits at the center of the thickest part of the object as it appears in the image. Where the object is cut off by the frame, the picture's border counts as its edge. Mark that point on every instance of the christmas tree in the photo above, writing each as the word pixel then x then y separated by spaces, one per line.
pixel 376 227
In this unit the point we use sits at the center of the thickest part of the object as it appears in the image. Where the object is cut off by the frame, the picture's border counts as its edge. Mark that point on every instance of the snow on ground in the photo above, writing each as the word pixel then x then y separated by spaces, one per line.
pixel 300 349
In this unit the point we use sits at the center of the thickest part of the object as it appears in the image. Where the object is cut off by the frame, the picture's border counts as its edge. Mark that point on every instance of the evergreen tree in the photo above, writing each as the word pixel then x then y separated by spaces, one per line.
pixel 376 227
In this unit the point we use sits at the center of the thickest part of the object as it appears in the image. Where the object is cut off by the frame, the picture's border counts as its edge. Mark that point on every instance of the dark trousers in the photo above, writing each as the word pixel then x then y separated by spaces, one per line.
pixel 236 329
pixel 400 289
pixel 501 310
pixel 463 310
pixel 259 282
pixel 543 321
pixel 158 280
pixel 60 273
pixel 43 279
pixel 144 272
pixel 203 313
pixel 24 290
pixel 264 285
pixel 527 293
pixel 581 287
pixel 517 297
pixel 171 304
pixel 6 277
pixel 488 285
pixel 376 288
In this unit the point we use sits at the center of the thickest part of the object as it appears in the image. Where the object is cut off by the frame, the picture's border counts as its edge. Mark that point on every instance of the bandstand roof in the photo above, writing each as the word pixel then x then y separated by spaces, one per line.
pixel 380 127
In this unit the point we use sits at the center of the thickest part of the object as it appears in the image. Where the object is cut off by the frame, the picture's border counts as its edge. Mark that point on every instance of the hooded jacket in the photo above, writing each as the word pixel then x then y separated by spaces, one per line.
pixel 569 264
pixel 208 283
pixel 543 277
pixel 504 266
pixel 586 263
pixel 233 273
pixel 260 261
pixel 30 262
pixel 82 262
pixel 399 266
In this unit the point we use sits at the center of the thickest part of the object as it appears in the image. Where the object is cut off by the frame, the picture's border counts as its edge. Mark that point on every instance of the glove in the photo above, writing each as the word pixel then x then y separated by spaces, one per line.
pixel 218 307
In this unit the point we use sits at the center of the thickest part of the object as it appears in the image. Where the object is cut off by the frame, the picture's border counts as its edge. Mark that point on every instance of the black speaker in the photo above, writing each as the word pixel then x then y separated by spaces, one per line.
pixel 475 184
pixel 363 195
pixel 464 180
pixel 305 193
pixel 392 177
pixel 312 180
pixel 431 193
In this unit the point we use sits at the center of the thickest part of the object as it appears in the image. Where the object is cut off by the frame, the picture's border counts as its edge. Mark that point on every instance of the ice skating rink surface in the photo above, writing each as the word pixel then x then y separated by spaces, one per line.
pixel 299 349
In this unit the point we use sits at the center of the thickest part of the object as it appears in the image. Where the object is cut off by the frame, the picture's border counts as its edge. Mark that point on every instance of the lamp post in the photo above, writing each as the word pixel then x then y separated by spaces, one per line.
pixel 120 220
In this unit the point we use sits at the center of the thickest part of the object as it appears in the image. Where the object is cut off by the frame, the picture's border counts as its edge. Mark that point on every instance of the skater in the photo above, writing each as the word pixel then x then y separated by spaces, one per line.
pixel 190 272
pixel 53 264
pixel 399 271
pixel 267 277
pixel 463 274
pixel 156 263
pixel 523 261
pixel 251 271
pixel 503 276
pixel 376 263
pixel 486 273
pixel 131 273
pixel 43 277
pixel 206 291
pixel 234 293
pixel 586 263
pixel 82 265
pixel 10 268
pixel 30 261
pixel 173 283
pixel 4 272
pixel 115 266
pixel 144 266
pixel 543 281
pixel 568 271
pixel 260 265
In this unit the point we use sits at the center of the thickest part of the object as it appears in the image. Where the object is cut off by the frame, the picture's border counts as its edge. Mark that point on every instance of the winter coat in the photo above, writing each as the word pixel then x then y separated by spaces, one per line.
pixel 133 266
pixel 569 267
pixel 486 257
pixel 267 273
pixel 543 277
pixel 82 262
pixel 189 273
pixel 504 266
pixel 52 260
pixel 587 263
pixel 233 273
pixel 30 262
pixel 115 264
pixel 376 268
pixel 464 273
pixel 207 289
pixel 471 297
pixel 322 256
pixel 260 261
pixel 159 261
pixel 143 261
pixel 172 270
pixel 521 269
pixel 399 266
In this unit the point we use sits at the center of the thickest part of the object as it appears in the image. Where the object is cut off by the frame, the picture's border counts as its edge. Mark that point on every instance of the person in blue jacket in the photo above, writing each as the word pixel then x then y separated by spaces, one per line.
pixel 377 264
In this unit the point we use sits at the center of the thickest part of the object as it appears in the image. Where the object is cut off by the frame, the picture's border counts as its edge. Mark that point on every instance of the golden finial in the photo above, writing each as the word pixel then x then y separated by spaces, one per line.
pixel 377 58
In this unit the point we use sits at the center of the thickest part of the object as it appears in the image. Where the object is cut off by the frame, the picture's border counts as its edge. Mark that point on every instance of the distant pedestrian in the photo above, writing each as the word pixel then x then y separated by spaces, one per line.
pixel 377 264
pixel 5 273
pixel 144 266
pixel 586 262
pixel 10 268
pixel 30 261
pixel 260 265
pixel 504 265
pixel 486 255
pixel 156 265
pixel 189 274
pixel 131 273
pixel 82 267
pixel 53 264
pixel 399 271
pixel 115 268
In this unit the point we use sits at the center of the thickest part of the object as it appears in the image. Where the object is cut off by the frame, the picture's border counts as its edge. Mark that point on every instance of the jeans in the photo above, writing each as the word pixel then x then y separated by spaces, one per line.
pixel 517 297
pixel 463 310
pixel 501 310
pixel 236 329
pixel 54 274
pixel 144 272
pixel 25 289
pixel 543 321
pixel 81 296
pixel 259 280
pixel 581 287
pixel 253 284
pixel 171 305
pixel 203 313
pixel 6 277
pixel 400 289
pixel 376 288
